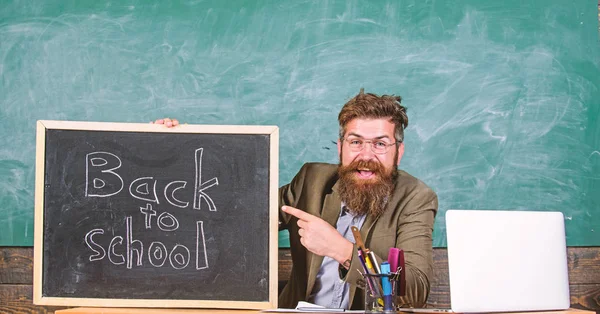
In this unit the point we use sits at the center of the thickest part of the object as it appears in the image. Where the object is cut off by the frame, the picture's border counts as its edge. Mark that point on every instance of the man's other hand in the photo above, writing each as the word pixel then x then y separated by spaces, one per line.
pixel 168 122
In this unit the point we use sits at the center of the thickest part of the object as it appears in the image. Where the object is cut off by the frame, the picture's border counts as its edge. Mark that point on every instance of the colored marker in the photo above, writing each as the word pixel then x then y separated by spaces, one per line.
pixel 372 287
pixel 387 287
pixel 371 256
pixel 396 260
pixel 393 258
pixel 369 264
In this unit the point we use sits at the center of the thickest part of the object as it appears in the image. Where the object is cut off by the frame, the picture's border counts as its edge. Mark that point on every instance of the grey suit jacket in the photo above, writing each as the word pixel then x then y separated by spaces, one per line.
pixel 407 224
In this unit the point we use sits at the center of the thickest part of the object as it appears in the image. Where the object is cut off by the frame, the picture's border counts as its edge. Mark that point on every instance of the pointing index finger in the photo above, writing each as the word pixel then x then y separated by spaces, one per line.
pixel 297 213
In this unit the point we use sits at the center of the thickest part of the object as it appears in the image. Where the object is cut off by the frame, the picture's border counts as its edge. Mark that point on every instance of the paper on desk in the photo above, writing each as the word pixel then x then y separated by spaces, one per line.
pixel 305 307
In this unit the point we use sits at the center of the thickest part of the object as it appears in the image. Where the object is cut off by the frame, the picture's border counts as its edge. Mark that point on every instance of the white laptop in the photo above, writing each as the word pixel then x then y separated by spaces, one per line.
pixel 506 261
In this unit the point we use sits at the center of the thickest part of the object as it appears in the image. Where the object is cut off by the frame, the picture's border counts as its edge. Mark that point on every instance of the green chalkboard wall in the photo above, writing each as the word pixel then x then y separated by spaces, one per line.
pixel 503 96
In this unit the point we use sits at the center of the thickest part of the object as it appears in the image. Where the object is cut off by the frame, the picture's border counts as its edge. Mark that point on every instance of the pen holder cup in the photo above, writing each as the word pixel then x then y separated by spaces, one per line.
pixel 380 292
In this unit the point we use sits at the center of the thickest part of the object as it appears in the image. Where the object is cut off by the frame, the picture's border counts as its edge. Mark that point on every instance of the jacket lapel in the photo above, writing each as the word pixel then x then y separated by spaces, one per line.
pixel 366 227
pixel 331 211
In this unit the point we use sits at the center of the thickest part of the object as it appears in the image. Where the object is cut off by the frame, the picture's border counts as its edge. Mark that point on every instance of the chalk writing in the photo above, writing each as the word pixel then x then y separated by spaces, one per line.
pixel 102 179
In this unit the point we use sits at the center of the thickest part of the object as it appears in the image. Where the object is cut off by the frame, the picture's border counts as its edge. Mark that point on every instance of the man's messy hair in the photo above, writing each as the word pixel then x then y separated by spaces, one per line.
pixel 371 106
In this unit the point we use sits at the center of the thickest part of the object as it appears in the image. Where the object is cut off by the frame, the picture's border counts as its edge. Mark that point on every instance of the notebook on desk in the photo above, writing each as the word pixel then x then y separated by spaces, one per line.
pixel 506 261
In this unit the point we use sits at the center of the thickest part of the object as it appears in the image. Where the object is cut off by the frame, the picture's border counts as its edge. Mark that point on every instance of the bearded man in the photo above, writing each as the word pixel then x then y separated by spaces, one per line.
pixel 366 190
pixel 390 207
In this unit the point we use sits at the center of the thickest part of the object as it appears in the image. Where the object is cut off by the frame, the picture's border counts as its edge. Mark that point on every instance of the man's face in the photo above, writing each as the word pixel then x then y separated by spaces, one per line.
pixel 367 174
pixel 370 129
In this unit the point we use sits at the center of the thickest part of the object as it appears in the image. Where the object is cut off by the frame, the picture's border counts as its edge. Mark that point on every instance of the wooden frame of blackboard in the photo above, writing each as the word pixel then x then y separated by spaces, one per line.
pixel 272 132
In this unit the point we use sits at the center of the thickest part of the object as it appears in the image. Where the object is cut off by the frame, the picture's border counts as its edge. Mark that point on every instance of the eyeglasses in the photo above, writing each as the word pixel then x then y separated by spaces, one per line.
pixel 379 147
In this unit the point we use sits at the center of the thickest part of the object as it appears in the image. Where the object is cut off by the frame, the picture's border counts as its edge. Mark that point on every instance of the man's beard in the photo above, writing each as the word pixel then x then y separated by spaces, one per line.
pixel 366 196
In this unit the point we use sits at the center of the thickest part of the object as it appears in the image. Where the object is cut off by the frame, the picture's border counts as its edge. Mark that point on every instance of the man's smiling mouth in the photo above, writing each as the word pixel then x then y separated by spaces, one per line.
pixel 365 173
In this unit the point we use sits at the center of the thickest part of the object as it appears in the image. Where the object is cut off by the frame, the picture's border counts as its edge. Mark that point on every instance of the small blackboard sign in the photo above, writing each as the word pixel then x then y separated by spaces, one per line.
pixel 142 215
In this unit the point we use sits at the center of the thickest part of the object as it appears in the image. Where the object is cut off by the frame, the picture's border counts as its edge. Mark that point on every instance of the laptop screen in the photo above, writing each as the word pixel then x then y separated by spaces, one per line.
pixel 507 261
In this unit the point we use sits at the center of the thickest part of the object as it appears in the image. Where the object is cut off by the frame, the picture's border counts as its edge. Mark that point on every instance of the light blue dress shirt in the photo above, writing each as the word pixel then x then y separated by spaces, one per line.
pixel 329 290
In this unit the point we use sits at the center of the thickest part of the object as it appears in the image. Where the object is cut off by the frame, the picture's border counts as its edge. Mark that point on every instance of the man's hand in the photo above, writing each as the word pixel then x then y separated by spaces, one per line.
pixel 169 123
pixel 319 237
